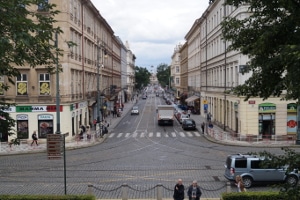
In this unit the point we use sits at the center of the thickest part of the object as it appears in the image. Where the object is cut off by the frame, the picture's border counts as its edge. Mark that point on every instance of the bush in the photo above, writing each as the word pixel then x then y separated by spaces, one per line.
pixel 252 196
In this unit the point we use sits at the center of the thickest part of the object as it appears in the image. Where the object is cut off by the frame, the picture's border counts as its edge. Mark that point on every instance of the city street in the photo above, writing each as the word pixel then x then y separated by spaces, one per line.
pixel 137 152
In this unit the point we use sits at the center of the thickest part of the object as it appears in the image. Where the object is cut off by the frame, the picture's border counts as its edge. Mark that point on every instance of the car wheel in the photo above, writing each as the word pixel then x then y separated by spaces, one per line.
pixel 247 181
pixel 291 180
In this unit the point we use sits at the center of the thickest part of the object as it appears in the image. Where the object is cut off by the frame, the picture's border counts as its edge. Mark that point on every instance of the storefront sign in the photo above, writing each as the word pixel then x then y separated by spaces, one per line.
pixel 49 108
pixel 267 108
pixel 10 109
pixel 251 102
pixel 22 117
pixel 45 117
pixel 292 107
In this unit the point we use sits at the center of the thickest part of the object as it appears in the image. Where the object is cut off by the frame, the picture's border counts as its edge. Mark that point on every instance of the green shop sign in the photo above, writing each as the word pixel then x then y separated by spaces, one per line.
pixel 267 108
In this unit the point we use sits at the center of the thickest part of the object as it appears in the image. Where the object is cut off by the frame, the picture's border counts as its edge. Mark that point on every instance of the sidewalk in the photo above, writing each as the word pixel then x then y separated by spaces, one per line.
pixel 24 148
pixel 218 135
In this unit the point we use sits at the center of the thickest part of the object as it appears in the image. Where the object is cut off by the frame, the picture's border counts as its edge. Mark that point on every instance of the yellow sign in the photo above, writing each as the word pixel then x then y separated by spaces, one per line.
pixel 205 102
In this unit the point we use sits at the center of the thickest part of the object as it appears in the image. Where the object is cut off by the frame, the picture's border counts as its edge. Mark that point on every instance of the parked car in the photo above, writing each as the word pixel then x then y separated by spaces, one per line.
pixel 144 97
pixel 181 116
pixel 135 110
pixel 189 124
pixel 250 169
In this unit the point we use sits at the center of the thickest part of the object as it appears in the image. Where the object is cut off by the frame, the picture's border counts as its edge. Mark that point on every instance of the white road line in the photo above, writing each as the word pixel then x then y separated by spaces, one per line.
pixel 173 134
pixel 127 134
pixel 151 134
pixel 197 134
pixel 166 135
pixel 119 135
pixel 142 135
pixel 111 135
pixel 182 134
pixel 189 134
pixel 134 134
pixel 158 134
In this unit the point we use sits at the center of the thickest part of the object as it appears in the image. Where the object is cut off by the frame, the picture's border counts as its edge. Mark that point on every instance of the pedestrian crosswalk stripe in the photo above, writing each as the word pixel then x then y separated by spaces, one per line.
pixel 197 134
pixel 158 134
pixel 111 135
pixel 134 134
pixel 143 134
pixel 189 134
pixel 151 134
pixel 166 135
pixel 181 134
pixel 173 134
pixel 120 135
pixel 127 134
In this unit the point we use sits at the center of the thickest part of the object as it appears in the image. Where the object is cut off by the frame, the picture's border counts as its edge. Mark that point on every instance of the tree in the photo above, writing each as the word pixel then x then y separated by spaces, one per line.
pixel 142 77
pixel 27 39
pixel 270 37
pixel 163 74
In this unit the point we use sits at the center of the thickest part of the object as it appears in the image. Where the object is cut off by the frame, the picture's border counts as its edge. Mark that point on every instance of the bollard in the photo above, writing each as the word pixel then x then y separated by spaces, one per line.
pixel 159 191
pixel 90 189
pixel 124 191
pixel 228 187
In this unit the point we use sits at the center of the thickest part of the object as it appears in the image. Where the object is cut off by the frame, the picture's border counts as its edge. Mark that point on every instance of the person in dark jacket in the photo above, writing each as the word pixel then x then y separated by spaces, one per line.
pixel 179 190
pixel 194 192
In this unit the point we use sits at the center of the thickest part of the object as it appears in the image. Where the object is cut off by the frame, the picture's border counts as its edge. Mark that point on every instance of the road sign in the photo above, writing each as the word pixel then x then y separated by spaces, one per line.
pixel 55 145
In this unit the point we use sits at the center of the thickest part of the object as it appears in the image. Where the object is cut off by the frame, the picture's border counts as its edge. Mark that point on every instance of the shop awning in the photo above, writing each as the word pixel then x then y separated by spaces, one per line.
pixel 191 98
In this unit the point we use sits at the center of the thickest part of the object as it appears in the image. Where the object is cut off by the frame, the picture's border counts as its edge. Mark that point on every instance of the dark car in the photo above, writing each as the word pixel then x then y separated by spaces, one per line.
pixel 188 124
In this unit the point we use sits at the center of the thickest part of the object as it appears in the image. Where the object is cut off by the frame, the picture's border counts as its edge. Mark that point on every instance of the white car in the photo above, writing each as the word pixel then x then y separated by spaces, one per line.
pixel 183 117
pixel 135 110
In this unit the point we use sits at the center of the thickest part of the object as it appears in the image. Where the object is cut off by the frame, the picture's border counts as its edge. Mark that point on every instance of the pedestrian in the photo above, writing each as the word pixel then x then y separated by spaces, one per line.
pixel 81 131
pixel 189 112
pixel 202 127
pixel 239 184
pixel 88 133
pixel 34 138
pixel 95 123
pixel 179 190
pixel 194 192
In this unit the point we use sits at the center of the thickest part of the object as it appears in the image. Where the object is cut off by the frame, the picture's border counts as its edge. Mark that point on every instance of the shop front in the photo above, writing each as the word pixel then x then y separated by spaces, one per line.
pixel 267 116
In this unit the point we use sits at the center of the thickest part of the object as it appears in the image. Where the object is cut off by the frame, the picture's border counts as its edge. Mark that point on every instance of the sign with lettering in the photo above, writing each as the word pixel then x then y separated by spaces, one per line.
pixel 55 145
pixel 22 117
pixel 45 117
pixel 267 108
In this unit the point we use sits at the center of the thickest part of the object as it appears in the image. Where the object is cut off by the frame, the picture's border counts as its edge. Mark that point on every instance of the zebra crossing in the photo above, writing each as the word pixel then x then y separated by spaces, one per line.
pixel 155 134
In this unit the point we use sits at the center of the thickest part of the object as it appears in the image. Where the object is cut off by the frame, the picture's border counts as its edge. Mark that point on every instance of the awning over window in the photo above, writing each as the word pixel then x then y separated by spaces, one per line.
pixel 192 98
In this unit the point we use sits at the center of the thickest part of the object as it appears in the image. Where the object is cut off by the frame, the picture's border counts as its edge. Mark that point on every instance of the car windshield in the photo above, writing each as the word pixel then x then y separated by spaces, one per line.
pixel 184 116
pixel 189 122
pixel 135 108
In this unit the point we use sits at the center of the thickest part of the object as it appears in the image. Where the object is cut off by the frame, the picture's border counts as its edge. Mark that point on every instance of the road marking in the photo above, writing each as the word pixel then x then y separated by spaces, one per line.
pixel 134 134
pixel 173 134
pixel 127 134
pixel 197 134
pixel 151 134
pixel 181 134
pixel 158 134
pixel 142 134
pixel 166 135
pixel 189 134
pixel 111 135
pixel 120 135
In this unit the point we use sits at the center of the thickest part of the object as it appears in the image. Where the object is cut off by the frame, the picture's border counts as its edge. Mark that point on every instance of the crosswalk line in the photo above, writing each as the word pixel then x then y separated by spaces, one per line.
pixel 111 135
pixel 119 135
pixel 181 134
pixel 134 134
pixel 150 134
pixel 142 135
pixel 173 134
pixel 166 135
pixel 189 134
pixel 197 134
pixel 127 134
pixel 158 134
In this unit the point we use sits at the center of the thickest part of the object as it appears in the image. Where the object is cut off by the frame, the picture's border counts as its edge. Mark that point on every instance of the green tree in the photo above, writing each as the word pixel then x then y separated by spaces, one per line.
pixel 142 77
pixel 163 74
pixel 27 39
pixel 270 37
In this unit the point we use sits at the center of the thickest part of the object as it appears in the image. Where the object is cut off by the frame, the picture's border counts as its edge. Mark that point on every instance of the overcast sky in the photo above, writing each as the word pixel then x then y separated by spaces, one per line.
pixel 153 28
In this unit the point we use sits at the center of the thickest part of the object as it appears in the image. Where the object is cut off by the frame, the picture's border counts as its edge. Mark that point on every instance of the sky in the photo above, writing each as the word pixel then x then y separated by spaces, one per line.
pixel 152 28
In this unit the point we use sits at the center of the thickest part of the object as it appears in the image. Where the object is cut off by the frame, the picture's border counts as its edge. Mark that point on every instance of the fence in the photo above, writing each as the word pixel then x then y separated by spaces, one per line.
pixel 158 190
pixel 249 138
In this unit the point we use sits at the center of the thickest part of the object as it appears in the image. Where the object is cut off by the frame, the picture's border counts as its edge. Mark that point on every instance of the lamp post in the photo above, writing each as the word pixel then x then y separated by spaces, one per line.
pixel 57 90
pixel 98 127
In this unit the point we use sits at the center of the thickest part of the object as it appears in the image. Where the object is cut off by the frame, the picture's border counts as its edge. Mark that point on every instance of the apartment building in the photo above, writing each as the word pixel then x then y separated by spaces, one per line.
pixel 96 56
pixel 175 72
pixel 221 70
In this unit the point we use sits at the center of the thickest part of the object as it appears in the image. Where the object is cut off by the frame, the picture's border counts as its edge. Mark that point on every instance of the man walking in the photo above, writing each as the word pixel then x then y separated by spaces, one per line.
pixel 178 190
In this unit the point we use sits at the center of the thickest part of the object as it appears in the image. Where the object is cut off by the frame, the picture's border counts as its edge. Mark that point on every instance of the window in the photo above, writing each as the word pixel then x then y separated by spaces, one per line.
pixel 1 85
pixel 177 80
pixel 44 84
pixel 22 85
pixel 177 69
pixel 42 6
pixel 22 124
pixel 241 163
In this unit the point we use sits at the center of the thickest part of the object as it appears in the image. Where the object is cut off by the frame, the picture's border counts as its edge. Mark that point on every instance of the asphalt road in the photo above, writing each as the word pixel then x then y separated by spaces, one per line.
pixel 138 153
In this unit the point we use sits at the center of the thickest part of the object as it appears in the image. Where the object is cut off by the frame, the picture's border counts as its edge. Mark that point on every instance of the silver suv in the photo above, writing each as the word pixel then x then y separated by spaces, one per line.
pixel 249 167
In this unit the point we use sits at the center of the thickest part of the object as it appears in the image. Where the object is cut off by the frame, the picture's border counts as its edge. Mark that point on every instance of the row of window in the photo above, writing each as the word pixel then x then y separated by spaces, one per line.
pixel 22 84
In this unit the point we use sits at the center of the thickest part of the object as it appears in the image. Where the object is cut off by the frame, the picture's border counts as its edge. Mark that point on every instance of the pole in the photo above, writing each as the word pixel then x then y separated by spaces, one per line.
pixel 98 91
pixel 57 89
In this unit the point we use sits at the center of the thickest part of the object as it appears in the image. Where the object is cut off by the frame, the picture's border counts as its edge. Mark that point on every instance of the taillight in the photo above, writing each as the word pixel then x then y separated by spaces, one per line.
pixel 232 171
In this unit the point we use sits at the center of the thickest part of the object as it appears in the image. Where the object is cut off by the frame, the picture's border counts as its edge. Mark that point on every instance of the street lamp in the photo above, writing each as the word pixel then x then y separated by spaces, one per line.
pixel 98 126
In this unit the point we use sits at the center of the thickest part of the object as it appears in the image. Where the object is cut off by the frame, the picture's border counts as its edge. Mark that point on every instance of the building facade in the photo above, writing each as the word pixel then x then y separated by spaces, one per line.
pixel 96 56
